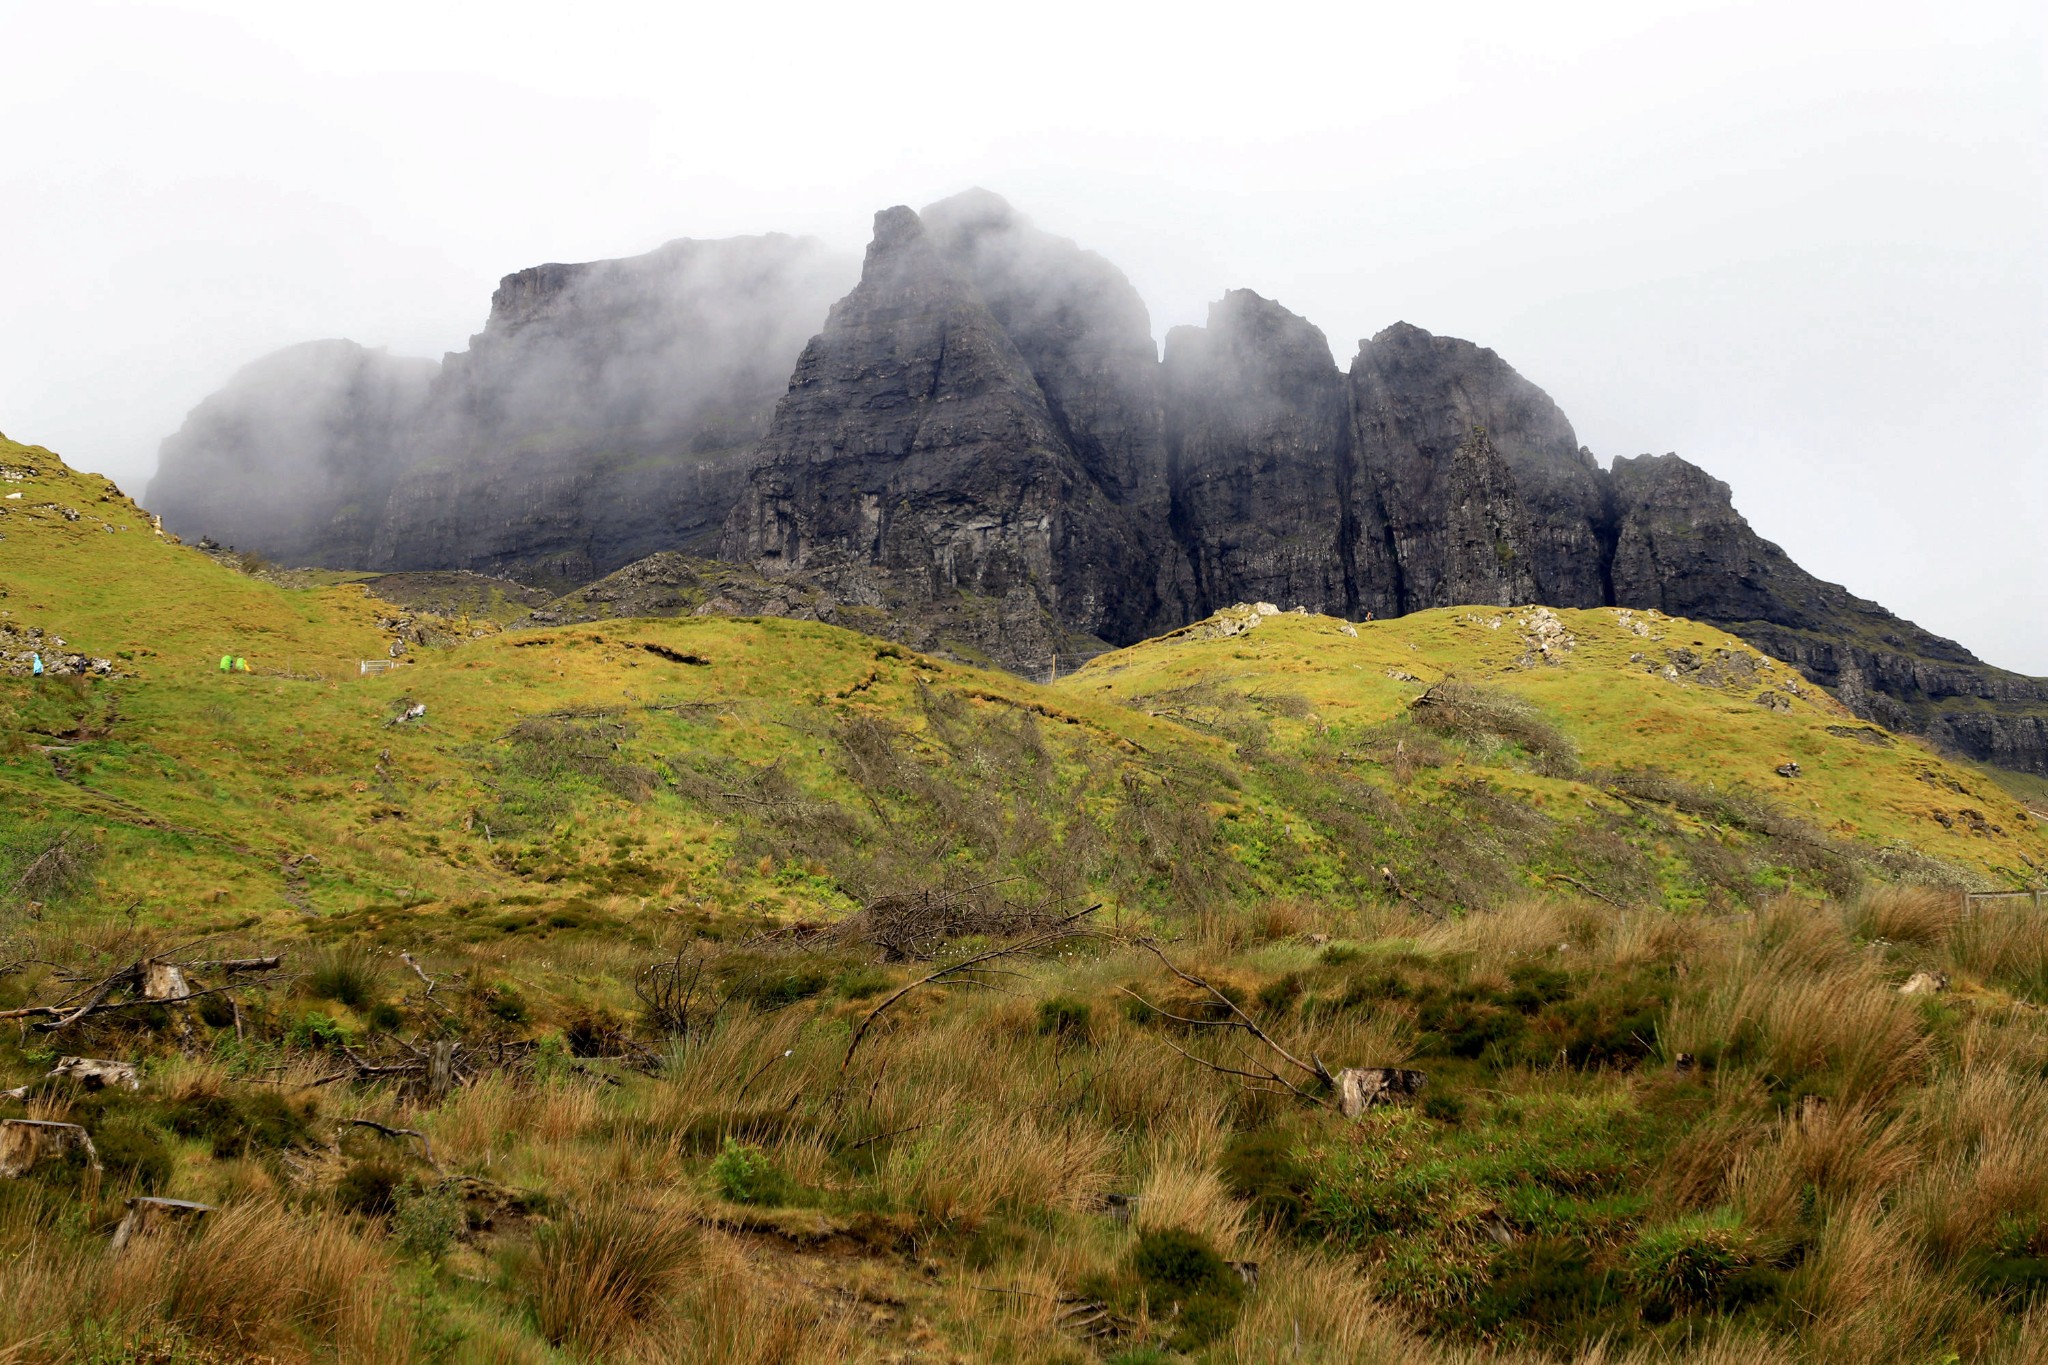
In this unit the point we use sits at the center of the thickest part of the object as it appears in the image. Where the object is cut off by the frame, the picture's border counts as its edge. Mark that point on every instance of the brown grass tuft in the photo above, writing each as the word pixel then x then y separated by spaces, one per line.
pixel 605 1268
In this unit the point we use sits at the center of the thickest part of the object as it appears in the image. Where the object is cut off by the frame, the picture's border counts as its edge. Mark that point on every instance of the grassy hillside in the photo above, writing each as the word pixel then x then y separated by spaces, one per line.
pixel 1628 692
pixel 658 885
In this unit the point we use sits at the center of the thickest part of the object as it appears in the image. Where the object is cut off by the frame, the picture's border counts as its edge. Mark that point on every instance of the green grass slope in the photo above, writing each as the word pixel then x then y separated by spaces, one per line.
pixel 658 885
pixel 1631 692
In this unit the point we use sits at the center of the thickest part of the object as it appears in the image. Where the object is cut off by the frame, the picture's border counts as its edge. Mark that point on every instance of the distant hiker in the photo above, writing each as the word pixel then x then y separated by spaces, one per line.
pixel 227 662
pixel 35 667
pixel 1368 615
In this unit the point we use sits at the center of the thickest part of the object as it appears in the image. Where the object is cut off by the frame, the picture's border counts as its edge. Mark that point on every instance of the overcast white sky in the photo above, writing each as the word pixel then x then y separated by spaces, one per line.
pixel 1803 244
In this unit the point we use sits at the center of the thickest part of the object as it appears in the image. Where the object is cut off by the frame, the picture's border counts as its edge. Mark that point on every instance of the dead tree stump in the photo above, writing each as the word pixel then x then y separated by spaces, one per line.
pixel 146 1217
pixel 1359 1088
pixel 27 1143
pixel 440 1070
pixel 163 981
pixel 94 1074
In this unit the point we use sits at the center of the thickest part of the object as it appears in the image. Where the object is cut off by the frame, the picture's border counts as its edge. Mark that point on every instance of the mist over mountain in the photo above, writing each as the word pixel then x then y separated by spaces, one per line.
pixel 983 440
pixel 297 454
pixel 605 412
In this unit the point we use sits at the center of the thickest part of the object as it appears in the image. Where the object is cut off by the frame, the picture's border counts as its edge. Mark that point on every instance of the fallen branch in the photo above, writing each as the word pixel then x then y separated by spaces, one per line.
pixel 421 972
pixel 154 980
pixel 1578 885
pixel 233 965
pixel 1238 1020
pixel 426 1143
pixel 954 974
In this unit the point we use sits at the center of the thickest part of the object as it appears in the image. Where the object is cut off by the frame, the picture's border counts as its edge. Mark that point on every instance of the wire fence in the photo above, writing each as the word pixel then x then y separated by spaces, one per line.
pixel 1062 664
pixel 1973 901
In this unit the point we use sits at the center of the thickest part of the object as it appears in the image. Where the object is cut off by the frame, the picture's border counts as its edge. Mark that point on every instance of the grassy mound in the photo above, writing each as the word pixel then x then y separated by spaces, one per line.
pixel 729 989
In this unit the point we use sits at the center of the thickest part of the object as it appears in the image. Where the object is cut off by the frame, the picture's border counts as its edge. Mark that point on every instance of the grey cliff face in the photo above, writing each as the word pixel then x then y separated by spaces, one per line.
pixel 1487 494
pixel 607 410
pixel 296 454
pixel 1681 546
pixel 1259 460
pixel 915 458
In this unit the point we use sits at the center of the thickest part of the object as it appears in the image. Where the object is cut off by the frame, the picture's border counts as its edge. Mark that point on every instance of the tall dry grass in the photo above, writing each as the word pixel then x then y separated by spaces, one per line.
pixel 604 1269
pixel 1798 1001
pixel 258 1278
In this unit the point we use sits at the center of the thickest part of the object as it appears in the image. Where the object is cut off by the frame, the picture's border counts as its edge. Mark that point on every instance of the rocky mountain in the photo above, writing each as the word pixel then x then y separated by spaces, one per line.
pixel 983 447
pixel 607 410
pixel 916 463
pixel 982 422
pixel 297 455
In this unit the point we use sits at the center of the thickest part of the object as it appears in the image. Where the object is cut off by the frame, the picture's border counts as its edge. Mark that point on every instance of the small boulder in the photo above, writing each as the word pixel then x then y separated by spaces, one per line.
pixel 1925 983
pixel 1788 770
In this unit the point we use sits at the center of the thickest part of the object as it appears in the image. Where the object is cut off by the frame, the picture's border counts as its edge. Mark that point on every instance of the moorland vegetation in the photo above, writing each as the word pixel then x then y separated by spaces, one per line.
pixel 753 990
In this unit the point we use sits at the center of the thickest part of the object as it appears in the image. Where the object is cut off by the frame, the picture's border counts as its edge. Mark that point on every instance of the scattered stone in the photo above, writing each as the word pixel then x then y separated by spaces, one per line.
pixel 1360 1088
pixel 1788 770
pixel 1399 676
pixel 1773 701
pixel 1925 983
pixel 1631 623
pixel 1350 630
pixel 1544 636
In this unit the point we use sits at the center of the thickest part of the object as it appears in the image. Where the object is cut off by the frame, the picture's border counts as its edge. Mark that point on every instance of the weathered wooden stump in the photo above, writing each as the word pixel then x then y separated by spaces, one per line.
pixel 1359 1088
pixel 95 1074
pixel 440 1069
pixel 147 1216
pixel 27 1143
pixel 163 981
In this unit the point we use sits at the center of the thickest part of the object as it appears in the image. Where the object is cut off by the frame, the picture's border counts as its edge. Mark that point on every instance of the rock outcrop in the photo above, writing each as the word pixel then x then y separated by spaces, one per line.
pixel 1259 462
pixel 606 411
pixel 1486 493
pixel 1680 546
pixel 982 453
pixel 295 457
pixel 915 462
